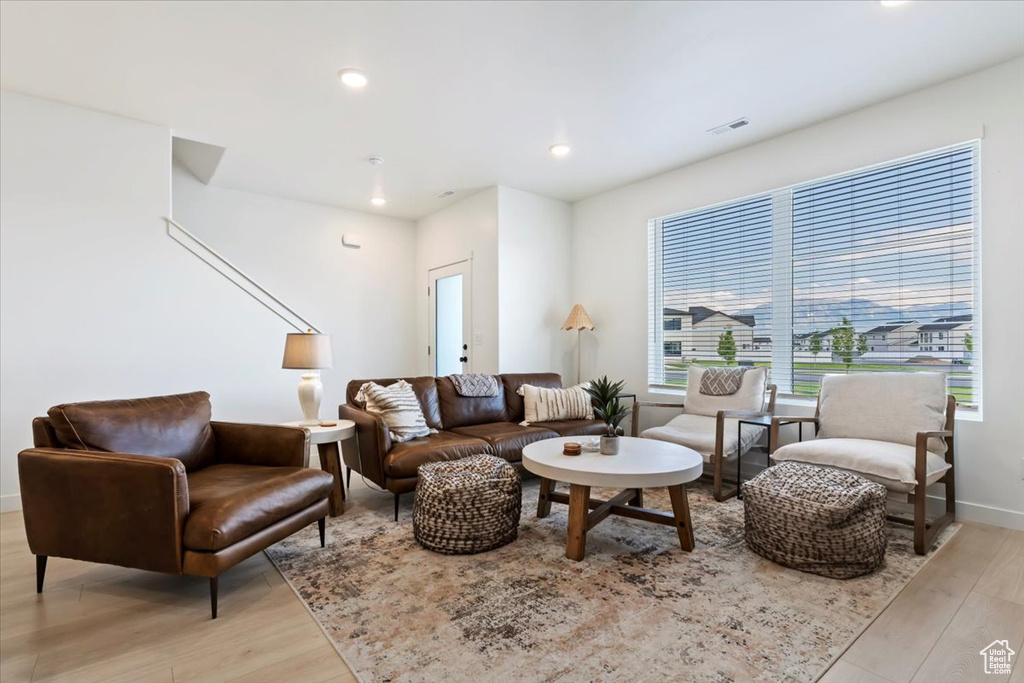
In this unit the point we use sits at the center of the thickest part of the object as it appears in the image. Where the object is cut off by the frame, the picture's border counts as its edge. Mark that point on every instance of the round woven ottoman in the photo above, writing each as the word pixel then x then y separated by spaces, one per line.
pixel 467 506
pixel 816 519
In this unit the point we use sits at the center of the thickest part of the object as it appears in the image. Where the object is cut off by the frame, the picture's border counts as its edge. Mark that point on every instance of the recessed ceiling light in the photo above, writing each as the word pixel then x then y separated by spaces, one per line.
pixel 375 161
pixel 445 194
pixel 353 78
pixel 378 201
pixel 893 3
pixel 561 149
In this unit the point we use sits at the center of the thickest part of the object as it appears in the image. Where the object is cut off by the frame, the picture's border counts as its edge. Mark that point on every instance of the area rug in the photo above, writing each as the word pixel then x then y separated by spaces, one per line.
pixel 636 607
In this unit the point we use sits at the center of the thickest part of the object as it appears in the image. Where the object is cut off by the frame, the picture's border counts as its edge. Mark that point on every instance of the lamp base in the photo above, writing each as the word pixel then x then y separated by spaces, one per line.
pixel 310 393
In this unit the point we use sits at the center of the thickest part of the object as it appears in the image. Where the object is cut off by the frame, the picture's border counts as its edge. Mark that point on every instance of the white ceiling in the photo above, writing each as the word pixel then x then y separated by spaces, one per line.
pixel 465 95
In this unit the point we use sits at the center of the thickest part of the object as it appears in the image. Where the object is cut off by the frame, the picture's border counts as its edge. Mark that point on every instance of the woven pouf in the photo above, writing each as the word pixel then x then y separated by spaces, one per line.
pixel 816 519
pixel 467 506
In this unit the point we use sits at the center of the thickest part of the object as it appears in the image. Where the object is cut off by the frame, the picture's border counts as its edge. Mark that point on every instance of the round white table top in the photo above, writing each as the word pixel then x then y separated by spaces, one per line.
pixel 640 463
pixel 344 429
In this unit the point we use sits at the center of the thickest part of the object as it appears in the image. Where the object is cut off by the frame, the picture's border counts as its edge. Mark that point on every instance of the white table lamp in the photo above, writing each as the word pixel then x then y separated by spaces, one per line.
pixel 310 352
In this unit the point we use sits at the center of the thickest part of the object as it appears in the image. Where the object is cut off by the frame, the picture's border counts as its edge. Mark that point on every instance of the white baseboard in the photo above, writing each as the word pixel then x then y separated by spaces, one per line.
pixel 983 514
pixel 10 502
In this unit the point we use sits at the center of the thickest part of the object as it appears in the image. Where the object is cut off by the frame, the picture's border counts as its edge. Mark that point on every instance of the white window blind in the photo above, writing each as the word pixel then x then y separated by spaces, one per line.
pixel 715 270
pixel 871 271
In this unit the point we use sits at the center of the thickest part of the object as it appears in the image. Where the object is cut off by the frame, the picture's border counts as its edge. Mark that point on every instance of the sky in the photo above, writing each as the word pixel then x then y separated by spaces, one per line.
pixel 883 244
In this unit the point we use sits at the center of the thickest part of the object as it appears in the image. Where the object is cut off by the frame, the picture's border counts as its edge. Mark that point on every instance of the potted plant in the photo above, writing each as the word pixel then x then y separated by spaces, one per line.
pixel 605 395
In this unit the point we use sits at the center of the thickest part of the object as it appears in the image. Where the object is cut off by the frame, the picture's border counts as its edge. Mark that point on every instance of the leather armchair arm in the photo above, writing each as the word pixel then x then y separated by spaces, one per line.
pixel 111 508
pixel 256 444
pixel 374 441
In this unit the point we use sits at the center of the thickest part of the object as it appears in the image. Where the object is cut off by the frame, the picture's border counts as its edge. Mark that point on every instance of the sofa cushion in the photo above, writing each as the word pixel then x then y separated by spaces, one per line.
pixel 889 464
pixel 425 389
pixel 228 503
pixel 404 459
pixel 459 411
pixel 512 382
pixel 176 426
pixel 749 397
pixel 884 406
pixel 573 427
pixel 507 438
pixel 698 432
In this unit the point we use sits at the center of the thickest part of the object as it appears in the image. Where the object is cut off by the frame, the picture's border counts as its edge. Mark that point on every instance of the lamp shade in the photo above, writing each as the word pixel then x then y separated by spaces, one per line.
pixel 307 351
pixel 578 319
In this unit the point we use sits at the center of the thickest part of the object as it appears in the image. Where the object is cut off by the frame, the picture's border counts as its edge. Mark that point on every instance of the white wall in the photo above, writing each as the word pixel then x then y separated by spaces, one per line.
pixel 534 282
pixel 362 297
pixel 97 302
pixel 464 230
pixel 610 236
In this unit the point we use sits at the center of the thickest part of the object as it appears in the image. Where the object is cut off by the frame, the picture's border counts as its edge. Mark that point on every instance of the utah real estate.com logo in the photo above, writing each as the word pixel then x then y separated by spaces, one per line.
pixel 997 657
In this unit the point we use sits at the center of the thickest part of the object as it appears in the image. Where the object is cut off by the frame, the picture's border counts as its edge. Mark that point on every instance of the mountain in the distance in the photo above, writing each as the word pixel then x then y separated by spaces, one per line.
pixel 865 314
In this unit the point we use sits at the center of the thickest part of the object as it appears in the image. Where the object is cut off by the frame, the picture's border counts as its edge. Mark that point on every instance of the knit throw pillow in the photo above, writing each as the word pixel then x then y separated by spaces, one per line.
pixel 398 406
pixel 542 404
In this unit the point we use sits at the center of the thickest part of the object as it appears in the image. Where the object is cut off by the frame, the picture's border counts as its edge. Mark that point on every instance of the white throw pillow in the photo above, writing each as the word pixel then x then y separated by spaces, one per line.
pixel 542 404
pixel 398 406
pixel 750 395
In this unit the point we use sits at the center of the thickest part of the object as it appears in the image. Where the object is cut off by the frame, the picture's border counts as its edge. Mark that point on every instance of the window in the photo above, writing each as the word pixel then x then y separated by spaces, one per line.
pixel 816 270
pixel 673 348
pixel 672 324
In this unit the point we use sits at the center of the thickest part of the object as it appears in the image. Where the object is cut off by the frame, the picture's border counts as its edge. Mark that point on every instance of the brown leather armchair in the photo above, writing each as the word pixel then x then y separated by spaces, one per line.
pixel 153 484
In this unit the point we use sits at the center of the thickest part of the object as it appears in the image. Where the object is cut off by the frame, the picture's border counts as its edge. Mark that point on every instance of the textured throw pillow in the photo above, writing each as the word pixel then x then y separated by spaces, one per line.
pixel 543 404
pixel 398 406
pixel 750 395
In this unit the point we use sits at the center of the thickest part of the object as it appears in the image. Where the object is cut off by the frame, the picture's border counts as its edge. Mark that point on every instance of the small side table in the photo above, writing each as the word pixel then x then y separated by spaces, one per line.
pixel 326 440
pixel 760 421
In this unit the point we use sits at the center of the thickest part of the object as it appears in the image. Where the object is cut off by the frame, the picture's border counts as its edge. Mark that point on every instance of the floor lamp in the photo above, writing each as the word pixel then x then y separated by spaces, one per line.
pixel 578 320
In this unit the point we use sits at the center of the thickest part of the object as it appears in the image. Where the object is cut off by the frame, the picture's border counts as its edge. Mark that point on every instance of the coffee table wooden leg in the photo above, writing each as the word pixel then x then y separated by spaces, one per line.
pixel 576 541
pixel 543 501
pixel 638 499
pixel 681 512
pixel 330 461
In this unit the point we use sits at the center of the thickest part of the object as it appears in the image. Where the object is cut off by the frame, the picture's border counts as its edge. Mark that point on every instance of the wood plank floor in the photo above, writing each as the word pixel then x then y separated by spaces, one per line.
pixel 100 623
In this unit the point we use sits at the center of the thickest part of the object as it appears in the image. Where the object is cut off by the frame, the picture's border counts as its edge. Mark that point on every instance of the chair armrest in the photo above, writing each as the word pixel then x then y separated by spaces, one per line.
pixel 374 442
pixel 111 508
pixel 241 443
pixel 777 420
pixel 637 405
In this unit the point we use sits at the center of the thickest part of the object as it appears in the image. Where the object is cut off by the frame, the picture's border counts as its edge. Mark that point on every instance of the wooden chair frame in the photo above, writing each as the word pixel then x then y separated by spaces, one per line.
pixel 718 457
pixel 924 532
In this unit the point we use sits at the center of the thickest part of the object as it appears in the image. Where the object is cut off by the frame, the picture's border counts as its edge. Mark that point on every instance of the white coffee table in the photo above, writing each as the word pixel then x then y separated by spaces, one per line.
pixel 326 440
pixel 640 464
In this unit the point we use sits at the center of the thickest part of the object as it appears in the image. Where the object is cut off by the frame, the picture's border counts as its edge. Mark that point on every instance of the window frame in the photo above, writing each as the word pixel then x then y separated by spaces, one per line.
pixel 781 322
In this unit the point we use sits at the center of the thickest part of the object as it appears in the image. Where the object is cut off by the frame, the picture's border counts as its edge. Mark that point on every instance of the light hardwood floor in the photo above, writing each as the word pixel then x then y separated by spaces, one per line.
pixel 101 623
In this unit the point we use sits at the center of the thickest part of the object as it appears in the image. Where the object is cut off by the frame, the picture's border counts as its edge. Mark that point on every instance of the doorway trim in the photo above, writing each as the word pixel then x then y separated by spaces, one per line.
pixel 464 266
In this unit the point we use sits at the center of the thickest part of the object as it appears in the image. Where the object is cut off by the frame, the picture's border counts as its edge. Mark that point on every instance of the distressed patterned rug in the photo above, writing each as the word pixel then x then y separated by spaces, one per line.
pixel 637 607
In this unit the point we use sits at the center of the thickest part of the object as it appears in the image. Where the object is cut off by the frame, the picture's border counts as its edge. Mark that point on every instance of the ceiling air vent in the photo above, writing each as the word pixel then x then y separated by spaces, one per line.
pixel 729 127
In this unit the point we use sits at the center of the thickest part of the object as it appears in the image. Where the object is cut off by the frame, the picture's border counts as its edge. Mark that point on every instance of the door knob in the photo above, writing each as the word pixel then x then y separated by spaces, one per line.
pixel 463 359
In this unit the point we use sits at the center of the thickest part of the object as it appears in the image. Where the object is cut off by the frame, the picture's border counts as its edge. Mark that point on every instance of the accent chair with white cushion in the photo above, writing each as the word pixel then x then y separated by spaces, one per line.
pixel 709 424
pixel 894 428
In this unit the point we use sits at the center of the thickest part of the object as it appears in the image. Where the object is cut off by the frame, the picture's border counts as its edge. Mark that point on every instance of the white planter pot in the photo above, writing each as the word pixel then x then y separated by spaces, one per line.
pixel 609 445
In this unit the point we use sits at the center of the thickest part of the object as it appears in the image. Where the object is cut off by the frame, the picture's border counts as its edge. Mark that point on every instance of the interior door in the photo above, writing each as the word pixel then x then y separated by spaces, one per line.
pixel 448 294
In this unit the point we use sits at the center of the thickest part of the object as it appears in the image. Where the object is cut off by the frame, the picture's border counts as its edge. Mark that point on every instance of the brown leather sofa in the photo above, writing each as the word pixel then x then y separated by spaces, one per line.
pixel 466 426
pixel 152 483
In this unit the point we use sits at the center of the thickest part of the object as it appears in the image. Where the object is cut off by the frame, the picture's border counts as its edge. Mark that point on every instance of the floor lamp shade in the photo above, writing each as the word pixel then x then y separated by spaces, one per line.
pixel 578 320
pixel 309 352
